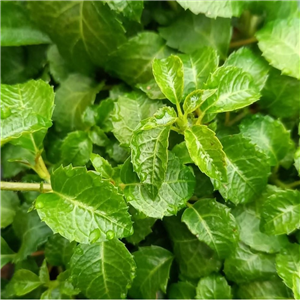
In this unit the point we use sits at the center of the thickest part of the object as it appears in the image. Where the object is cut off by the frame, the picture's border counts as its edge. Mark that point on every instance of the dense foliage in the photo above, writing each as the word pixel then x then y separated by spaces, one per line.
pixel 150 149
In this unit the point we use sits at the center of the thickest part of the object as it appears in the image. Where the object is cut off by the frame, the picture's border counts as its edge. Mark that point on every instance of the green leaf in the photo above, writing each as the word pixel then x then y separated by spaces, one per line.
pixel 129 111
pixel 213 287
pixel 44 273
pixel 30 230
pixel 195 258
pixel 76 148
pixel 130 9
pixel 102 166
pixel 224 9
pixel 195 99
pixel 273 289
pixel 269 135
pixel 9 204
pixel 296 286
pixel 279 44
pixel 206 151
pixel 151 89
pixel 85 216
pixel 58 250
pixel 247 171
pixel 248 219
pixel 250 62
pixel 84 32
pixel 132 61
pixel 23 282
pixel 72 98
pixel 149 149
pixel 213 224
pixel 104 114
pixel 280 213
pixel 168 74
pixel 102 270
pixel 98 137
pixel 197 67
pixel 7 255
pixel 26 108
pixel 16 27
pixel 235 89
pixel 189 33
pixel 152 273
pixel 297 160
pixel 288 264
pixel 244 265
pixel 181 290
pixel 142 226
pixel 280 97
pixel 176 189
pixel 181 151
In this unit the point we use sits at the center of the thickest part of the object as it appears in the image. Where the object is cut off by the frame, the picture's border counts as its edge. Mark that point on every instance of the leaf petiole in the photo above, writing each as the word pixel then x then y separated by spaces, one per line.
pixel 26 187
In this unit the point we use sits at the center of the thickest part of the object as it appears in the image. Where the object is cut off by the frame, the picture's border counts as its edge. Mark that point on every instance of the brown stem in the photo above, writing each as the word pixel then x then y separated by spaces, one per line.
pixel 243 42
pixel 38 253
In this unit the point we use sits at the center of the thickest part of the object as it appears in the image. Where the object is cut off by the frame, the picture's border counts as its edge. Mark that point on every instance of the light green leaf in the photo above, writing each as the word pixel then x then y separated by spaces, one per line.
pixel 195 258
pixel 84 32
pixel 30 230
pixel 213 224
pixel 141 226
pixel 23 282
pixel 247 171
pixel 26 108
pixel 244 265
pixel 269 135
pixel 58 250
pixel 197 67
pixel 44 273
pixel 175 191
pixel 214 286
pixel 206 151
pixel 132 61
pixel 181 151
pixel 248 219
pixel 195 99
pixel 296 286
pixel 16 27
pixel 149 149
pixel 224 9
pixel 72 98
pixel 151 89
pixel 76 148
pixel 297 160
pixel 202 31
pixel 9 204
pixel 235 89
pixel 273 289
pixel 250 62
pixel 280 213
pixel 91 210
pixel 181 290
pixel 130 9
pixel 288 264
pixel 102 270
pixel 279 43
pixel 7 255
pixel 280 97
pixel 102 166
pixel 168 74
pixel 129 111
pixel 152 273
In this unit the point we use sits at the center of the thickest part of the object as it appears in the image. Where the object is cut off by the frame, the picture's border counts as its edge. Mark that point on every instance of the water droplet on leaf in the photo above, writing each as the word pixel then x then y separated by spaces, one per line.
pixel 110 234
pixel 39 204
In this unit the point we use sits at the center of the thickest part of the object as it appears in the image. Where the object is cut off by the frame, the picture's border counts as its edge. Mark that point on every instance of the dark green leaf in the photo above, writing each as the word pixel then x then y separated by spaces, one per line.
pixel 152 273
pixel 102 270
pixel 206 151
pixel 213 287
pixel 195 259
pixel 280 213
pixel 244 265
pixel 247 171
pixel 181 151
pixel 7 255
pixel 9 204
pixel 212 224
pixel 91 210
pixel 151 89
pixel 181 290
pixel 132 61
pixel 190 33
pixel 168 74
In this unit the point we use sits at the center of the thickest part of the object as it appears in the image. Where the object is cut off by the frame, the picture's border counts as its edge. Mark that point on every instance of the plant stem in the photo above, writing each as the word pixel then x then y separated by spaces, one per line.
pixel 180 114
pixel 243 42
pixel 26 187
pixel 238 117
pixel 41 169
pixel 38 253
pixel 227 118
pixel 293 184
